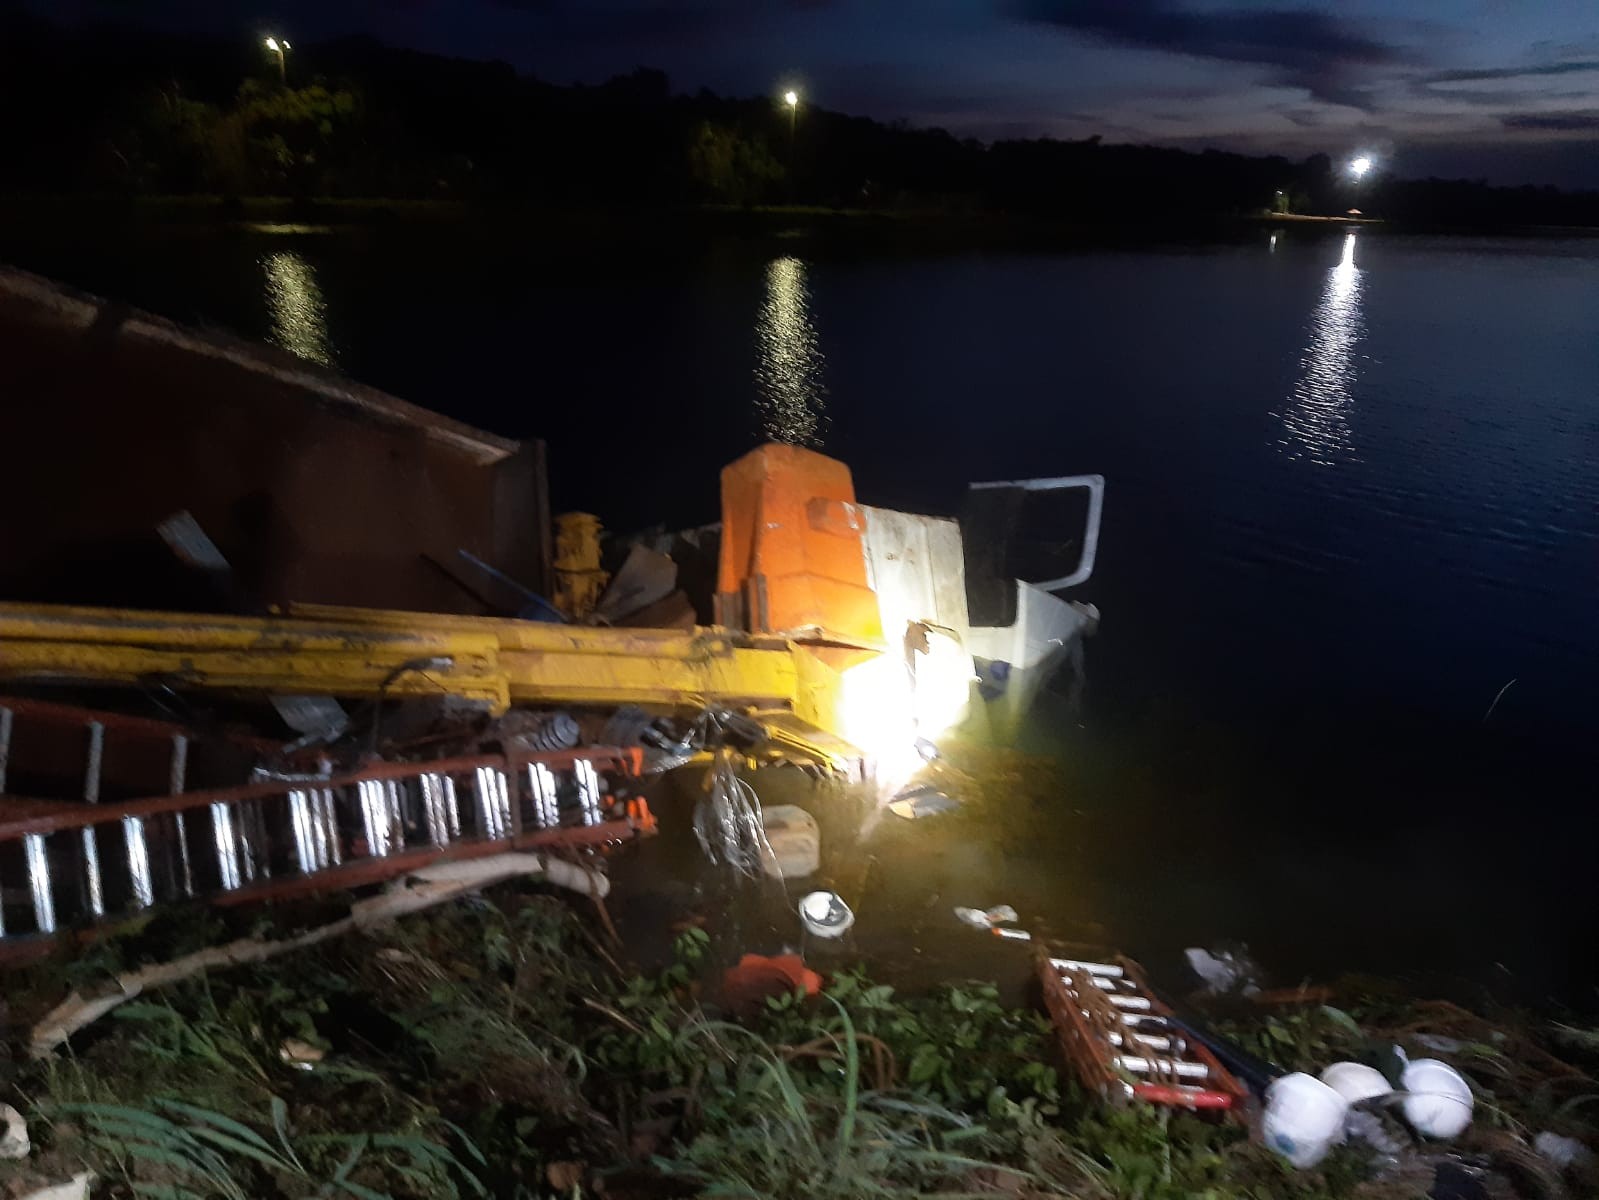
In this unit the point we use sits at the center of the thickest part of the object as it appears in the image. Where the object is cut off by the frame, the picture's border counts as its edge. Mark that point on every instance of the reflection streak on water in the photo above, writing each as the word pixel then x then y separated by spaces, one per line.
pixel 1316 415
pixel 788 372
pixel 295 305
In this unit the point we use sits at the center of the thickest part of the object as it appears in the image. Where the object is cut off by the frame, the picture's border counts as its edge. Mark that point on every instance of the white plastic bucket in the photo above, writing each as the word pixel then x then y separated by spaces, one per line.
pixel 1439 1100
pixel 1304 1118
pixel 825 914
pixel 1355 1081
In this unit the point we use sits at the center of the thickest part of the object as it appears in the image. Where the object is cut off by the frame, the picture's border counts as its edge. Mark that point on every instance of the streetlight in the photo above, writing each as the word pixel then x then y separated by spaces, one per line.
pixel 1360 166
pixel 274 46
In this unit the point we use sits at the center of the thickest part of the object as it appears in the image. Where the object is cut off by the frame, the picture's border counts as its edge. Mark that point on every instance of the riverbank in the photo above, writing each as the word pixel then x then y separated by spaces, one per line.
pixel 924 227
pixel 504 1046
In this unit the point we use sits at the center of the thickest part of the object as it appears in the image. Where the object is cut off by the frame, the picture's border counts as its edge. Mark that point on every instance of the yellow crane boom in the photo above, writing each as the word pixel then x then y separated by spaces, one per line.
pixel 355 652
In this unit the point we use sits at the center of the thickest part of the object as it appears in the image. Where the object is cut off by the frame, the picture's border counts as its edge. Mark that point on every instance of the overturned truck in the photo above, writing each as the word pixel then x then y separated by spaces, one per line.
pixel 357 691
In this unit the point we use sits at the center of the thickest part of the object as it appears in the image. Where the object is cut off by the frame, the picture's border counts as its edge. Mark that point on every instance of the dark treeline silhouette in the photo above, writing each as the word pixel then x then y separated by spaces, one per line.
pixel 129 112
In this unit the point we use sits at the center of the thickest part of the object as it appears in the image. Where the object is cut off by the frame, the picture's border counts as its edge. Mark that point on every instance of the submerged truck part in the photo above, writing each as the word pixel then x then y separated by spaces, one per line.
pixel 846 634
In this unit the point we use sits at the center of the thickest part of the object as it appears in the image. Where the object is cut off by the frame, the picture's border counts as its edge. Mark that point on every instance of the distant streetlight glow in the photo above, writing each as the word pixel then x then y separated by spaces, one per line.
pixel 279 48
pixel 791 98
pixel 1360 166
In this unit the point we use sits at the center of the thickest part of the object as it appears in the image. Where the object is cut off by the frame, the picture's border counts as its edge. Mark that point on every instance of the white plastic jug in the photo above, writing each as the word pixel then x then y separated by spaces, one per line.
pixel 1304 1118
pixel 1439 1102
pixel 1355 1081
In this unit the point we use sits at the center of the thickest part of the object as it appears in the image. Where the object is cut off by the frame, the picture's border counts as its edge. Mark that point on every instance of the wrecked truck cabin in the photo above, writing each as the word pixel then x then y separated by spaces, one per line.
pixel 422 663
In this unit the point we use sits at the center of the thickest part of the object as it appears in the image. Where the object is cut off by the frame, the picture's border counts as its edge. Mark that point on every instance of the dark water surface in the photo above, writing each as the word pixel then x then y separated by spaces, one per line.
pixel 1351 495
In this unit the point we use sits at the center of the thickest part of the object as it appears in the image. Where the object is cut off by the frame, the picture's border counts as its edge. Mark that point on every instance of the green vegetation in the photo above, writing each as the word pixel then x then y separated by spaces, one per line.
pixel 494 1048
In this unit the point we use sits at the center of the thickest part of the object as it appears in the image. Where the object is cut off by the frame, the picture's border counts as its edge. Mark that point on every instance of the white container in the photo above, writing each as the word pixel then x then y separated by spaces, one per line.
pixel 14 1143
pixel 1304 1118
pixel 1355 1081
pixel 1439 1100
pixel 825 914
pixel 795 840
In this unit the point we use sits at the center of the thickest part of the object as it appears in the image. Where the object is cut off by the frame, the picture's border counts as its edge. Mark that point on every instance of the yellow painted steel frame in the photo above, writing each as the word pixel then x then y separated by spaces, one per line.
pixel 329 650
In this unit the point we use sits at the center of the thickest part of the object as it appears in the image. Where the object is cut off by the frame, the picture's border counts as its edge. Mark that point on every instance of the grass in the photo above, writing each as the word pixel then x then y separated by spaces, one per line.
pixel 490 1049
pixel 180 1151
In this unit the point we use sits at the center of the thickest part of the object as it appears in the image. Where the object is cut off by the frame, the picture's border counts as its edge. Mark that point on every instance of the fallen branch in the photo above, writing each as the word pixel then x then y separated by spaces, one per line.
pixel 425 888
pixel 606 1010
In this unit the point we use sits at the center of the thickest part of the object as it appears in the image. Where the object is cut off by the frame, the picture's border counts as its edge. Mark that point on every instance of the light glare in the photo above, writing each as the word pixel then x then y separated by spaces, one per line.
pixel 1360 166
pixel 272 44
pixel 296 308
pixel 788 373
pixel 1316 413
pixel 791 98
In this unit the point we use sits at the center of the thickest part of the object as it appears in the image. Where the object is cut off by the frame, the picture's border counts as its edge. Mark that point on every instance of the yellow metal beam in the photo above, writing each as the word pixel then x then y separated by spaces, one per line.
pixel 356 652
pixel 88 645
pixel 585 664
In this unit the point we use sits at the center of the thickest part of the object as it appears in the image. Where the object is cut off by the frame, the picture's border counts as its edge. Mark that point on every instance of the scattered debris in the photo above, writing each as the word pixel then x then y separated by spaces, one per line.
pixel 301 1054
pixel 1122 1042
pixel 795 841
pixel 317 719
pixel 536 608
pixel 76 1188
pixel 538 731
pixel 922 801
pixel 1438 1100
pixel 1002 914
pixel 645 578
pixel 1356 1082
pixel 1567 1153
pixel 425 888
pixel 1304 1118
pixel 758 978
pixel 14 1143
pixel 826 915
pixel 727 820
pixel 1369 1127
pixel 566 1177
pixel 1224 971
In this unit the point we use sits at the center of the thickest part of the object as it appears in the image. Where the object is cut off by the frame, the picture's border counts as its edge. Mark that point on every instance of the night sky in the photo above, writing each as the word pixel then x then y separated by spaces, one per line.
pixel 1506 90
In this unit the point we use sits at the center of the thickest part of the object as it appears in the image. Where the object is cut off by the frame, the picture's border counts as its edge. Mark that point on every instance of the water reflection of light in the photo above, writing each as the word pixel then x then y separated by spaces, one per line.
pixel 1272 244
pixel 788 373
pixel 294 303
pixel 1316 415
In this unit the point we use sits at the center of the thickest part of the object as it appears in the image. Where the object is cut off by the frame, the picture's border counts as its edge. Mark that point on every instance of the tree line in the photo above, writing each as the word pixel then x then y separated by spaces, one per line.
pixel 125 111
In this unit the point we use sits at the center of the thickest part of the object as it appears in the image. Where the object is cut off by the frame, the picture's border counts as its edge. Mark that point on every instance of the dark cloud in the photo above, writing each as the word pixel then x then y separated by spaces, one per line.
pixel 1554 122
pixel 1497 97
pixel 1477 75
pixel 1315 51
pixel 649 23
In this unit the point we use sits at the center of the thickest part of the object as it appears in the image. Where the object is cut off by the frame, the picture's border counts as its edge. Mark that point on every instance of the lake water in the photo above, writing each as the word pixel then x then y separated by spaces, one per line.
pixel 1351 497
